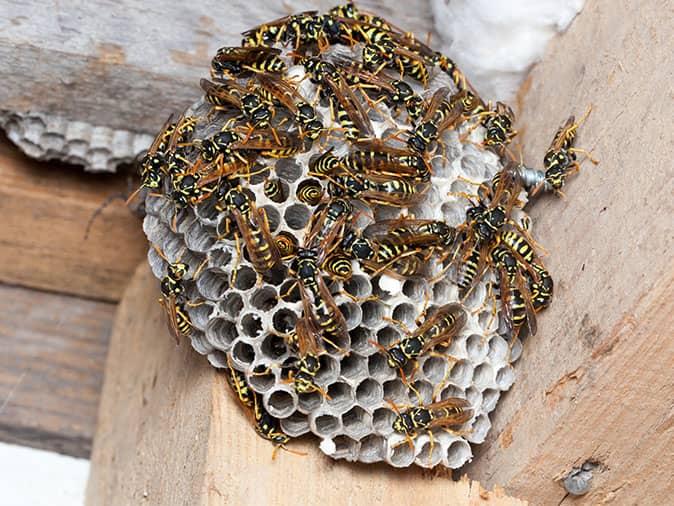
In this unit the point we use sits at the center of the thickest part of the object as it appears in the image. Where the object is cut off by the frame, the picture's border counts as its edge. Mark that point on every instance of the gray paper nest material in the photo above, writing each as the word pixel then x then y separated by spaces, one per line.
pixel 244 321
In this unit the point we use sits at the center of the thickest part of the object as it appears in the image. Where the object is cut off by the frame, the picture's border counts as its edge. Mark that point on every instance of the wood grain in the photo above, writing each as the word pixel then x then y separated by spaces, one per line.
pixel 171 433
pixel 45 209
pixel 596 383
pixel 51 368
pixel 93 73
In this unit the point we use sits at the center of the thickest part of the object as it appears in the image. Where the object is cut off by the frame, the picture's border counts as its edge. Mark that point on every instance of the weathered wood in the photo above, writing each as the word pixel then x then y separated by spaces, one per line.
pixel 51 368
pixel 596 383
pixel 170 432
pixel 92 74
pixel 45 211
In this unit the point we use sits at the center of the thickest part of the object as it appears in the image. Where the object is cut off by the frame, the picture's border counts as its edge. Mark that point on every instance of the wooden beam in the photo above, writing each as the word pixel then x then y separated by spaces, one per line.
pixel 596 383
pixel 170 432
pixel 45 209
pixel 51 368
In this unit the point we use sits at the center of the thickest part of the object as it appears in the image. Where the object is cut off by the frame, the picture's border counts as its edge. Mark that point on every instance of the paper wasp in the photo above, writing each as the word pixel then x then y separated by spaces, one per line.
pixel 374 158
pixel 541 290
pixel 307 339
pixel 439 328
pixel 228 93
pixel 516 303
pixel 304 113
pixel 237 381
pixel 451 412
pixel 560 158
pixel 498 123
pixel 325 163
pixel 398 192
pixel 348 110
pixel 440 115
pixel 233 61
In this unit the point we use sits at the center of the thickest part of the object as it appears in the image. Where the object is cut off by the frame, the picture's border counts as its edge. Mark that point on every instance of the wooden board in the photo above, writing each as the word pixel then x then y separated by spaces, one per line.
pixel 86 76
pixel 170 432
pixel 596 383
pixel 45 209
pixel 51 368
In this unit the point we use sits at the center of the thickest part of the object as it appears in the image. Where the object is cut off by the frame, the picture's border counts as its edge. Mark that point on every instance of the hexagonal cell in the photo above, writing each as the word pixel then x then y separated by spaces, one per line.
pixel 443 292
pixel 307 403
pixel 372 448
pixel 360 337
pixel 353 367
pixel 352 314
pixel 232 304
pixel 435 369
pixel 200 343
pixel 220 332
pixel 401 453
pixel 243 353
pixel 207 213
pixel 340 396
pixel 372 311
pixel 345 448
pixel 382 420
pixel 474 396
pixel 244 278
pixel 297 216
pixel 295 425
pixel 452 391
pixel 251 325
pixel 197 238
pixel 284 320
pixel 274 347
pixel 264 298
pixel 415 289
pixel 480 429
pixel 213 284
pixel 498 349
pixel 477 348
pixel 329 371
pixel 483 376
pixel 218 359
pixel 325 425
pixel 505 377
pixel 273 217
pixel 420 393
pixel 369 393
pixel 396 392
pixel 388 336
pixel 357 422
pixel 261 378
pixel 219 257
pixel 461 373
pixel 458 453
pixel 378 368
pixel 199 314
pixel 280 403
pixel 358 286
pixel 288 170
pixel 489 399
pixel 405 313
pixel 430 453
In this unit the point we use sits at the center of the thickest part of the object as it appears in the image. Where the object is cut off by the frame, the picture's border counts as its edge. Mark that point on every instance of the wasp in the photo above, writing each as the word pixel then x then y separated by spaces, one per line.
pixel 348 110
pixel 172 284
pixel 373 157
pixel 356 246
pixel 560 159
pixel 228 93
pixel 310 191
pixel 269 428
pixel 440 328
pixel 234 61
pixel 179 321
pixel 498 124
pixel 516 304
pixel 398 192
pixel 304 113
pixel 541 289
pixel 407 245
pixel 440 115
pixel 410 64
pixel 451 412
pixel 237 381
pixel 307 338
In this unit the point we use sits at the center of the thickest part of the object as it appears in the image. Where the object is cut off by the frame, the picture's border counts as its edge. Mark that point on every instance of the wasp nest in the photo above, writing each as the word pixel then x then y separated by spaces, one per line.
pixel 246 319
